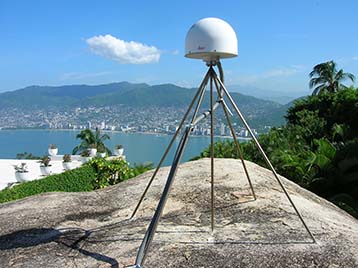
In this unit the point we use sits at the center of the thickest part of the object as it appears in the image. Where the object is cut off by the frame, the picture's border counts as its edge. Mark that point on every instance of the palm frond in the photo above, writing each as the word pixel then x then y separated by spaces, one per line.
pixel 316 81
pixel 326 78
pixel 349 76
pixel 320 90
pixel 104 137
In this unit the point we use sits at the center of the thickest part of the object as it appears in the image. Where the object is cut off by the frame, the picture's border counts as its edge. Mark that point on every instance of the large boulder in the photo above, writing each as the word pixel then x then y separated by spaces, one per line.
pixel 92 229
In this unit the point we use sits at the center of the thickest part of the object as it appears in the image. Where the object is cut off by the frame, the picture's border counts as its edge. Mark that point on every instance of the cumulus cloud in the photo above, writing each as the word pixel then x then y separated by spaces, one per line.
pixel 122 51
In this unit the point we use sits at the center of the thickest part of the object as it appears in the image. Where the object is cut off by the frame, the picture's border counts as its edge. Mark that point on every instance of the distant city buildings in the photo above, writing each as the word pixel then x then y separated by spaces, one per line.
pixel 222 130
pixel 114 118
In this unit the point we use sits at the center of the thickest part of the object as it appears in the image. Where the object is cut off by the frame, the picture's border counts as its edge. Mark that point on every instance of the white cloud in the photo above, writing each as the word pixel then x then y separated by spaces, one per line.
pixel 123 51
pixel 355 58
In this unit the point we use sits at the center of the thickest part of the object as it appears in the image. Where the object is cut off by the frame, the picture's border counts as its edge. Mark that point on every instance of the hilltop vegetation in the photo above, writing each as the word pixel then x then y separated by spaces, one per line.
pixel 318 147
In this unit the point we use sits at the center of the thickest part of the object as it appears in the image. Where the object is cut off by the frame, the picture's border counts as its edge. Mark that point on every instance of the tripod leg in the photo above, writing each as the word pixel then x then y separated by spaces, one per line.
pixel 235 139
pixel 263 154
pixel 178 155
pixel 212 151
pixel 200 90
pixel 198 104
pixel 158 212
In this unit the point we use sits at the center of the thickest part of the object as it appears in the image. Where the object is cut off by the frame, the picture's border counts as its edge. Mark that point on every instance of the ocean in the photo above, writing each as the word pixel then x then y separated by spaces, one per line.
pixel 138 148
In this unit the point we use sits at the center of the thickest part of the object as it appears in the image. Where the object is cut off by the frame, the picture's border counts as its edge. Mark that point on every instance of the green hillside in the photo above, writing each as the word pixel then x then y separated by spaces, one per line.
pixel 262 112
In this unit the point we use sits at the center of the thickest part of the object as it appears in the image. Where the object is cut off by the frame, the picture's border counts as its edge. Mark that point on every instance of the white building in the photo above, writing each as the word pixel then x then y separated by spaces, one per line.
pixel 222 129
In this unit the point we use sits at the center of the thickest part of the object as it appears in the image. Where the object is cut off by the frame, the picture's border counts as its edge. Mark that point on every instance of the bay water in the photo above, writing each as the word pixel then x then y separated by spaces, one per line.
pixel 138 148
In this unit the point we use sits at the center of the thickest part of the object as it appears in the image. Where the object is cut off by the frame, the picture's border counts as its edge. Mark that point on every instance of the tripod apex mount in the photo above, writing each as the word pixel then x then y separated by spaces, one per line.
pixel 209 39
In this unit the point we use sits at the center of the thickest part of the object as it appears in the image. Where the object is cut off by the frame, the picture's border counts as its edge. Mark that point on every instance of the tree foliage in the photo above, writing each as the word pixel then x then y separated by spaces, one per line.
pixel 317 148
pixel 335 111
pixel 110 172
pixel 91 139
pixel 26 155
pixel 325 78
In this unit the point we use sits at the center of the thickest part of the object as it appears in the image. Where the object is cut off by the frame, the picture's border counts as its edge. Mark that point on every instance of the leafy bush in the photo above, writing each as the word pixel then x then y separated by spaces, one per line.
pixel 66 158
pixel 141 168
pixel 76 180
pixel 96 174
pixel 339 108
pixel 110 172
pixel 45 161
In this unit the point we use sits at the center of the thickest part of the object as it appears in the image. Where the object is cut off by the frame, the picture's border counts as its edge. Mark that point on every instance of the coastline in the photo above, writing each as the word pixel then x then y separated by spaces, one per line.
pixel 139 146
pixel 122 132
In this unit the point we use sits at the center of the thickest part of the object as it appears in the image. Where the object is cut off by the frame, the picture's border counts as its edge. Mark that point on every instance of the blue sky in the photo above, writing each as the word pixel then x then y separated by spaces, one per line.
pixel 56 42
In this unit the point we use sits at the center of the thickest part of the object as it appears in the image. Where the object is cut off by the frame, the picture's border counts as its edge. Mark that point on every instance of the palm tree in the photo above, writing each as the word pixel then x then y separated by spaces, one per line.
pixel 326 78
pixel 90 138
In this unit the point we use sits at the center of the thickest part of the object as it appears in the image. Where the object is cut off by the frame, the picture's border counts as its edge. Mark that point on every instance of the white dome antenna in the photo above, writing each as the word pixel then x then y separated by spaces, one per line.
pixel 211 39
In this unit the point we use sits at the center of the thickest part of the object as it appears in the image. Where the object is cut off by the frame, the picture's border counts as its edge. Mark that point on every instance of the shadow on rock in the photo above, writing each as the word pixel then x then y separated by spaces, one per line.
pixel 69 237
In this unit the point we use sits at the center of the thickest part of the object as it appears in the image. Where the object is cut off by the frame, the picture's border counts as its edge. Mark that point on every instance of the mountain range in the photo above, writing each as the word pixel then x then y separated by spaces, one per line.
pixel 276 96
pixel 138 95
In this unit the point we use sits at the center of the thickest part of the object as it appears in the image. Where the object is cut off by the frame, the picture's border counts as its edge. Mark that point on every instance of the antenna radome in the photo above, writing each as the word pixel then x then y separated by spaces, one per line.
pixel 211 39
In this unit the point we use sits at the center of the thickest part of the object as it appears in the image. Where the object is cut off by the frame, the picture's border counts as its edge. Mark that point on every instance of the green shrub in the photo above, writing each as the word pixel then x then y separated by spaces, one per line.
pixel 109 172
pixel 141 168
pixel 76 180
pixel 96 174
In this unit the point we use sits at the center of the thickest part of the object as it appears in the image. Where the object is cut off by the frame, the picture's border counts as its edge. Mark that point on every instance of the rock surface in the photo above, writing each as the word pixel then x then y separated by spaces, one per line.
pixel 93 230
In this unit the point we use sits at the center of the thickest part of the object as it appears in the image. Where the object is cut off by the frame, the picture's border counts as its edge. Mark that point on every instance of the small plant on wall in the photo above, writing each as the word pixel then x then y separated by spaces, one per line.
pixel 45 165
pixel 52 149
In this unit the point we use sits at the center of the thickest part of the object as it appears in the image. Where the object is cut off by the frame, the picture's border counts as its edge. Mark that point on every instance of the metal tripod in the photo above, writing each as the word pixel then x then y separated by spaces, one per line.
pixel 211 78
